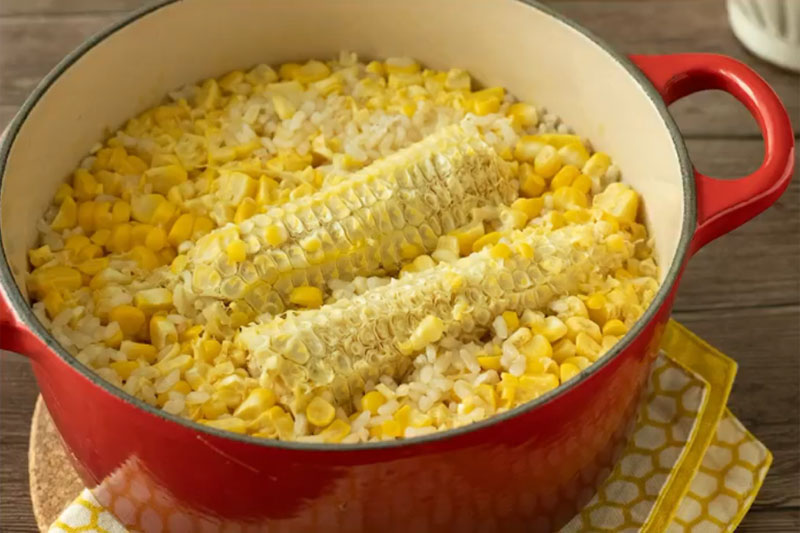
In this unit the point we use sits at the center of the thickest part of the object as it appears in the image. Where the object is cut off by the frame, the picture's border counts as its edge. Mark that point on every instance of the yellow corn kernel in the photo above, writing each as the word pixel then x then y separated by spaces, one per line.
pixel 577 216
pixel 164 213
pixel 139 233
pixel 54 278
pixel 619 201
pixel 164 178
pixel 532 207
pixel 124 368
pixel 91 267
pixel 467 235
pixel 213 409
pixel 100 237
pixel 335 432
pixel 536 348
pixel 111 182
pixel 489 362
pixel 563 349
pixel 86 216
pixel 284 108
pixel 457 80
pixel 408 251
pixel 578 324
pixel 320 412
pixel 210 349
pixel 232 424
pixel 245 210
pixel 533 386
pixel 308 297
pixel 372 400
pixel 487 240
pixel 401 65
pixel 283 422
pixel 120 212
pixel 153 300
pixel 574 153
pixel 101 215
pixel 119 238
pixel 145 257
pixel 500 251
pixel 547 162
pixel 114 340
pixel 486 101
pixel 129 318
pixel 275 234
pixel 541 365
pixel 428 331
pixel 139 350
pixel 375 67
pixel 552 328
pixel 89 252
pixel 143 208
pixel 523 115
pixel 527 148
pixel 256 403
pixel 569 198
pixel 85 185
pixel 597 165
pixel 236 251
pixel 579 361
pixel 67 215
pixel 288 71
pixel 62 193
pixel 587 346
pixel 54 303
pixel 229 81
pixel 567 371
pixel 202 226
pixel 557 140
pixel 596 306
pixel 512 321
pixel 556 219
pixel 181 230
pixel 312 71
pixel 616 243
pixel 583 183
pixel 615 327
pixel 564 177
pixel 531 184
pixel 507 389
pixel 266 193
pixel 40 256
pixel 390 428
pixel 162 331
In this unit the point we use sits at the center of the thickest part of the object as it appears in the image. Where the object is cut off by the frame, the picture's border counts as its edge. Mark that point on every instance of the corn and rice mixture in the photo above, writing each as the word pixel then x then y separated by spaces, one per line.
pixel 341 252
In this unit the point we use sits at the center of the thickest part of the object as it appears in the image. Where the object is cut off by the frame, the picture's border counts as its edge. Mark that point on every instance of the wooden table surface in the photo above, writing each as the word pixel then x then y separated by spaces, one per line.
pixel 741 293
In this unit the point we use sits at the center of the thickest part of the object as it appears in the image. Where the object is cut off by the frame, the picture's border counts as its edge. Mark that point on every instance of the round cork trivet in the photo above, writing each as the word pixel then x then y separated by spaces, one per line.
pixel 54 482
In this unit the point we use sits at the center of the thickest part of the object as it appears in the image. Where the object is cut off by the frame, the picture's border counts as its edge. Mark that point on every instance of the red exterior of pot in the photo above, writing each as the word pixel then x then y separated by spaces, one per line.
pixel 529 470
pixel 536 468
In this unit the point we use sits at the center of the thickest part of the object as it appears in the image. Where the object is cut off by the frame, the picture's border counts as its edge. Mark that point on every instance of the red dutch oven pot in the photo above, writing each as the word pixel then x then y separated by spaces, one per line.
pixel 525 470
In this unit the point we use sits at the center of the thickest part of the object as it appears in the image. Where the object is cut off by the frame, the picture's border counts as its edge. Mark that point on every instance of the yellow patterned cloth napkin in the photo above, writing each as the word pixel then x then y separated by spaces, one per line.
pixel 690 465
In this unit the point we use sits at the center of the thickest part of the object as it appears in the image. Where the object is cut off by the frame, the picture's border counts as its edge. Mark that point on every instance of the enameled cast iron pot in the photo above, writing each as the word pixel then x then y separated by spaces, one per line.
pixel 527 469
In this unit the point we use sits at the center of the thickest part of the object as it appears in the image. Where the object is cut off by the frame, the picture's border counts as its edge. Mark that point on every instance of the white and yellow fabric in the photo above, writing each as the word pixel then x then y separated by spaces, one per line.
pixel 690 465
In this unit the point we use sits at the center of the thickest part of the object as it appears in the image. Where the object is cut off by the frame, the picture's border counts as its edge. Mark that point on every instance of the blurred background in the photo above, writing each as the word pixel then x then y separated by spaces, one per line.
pixel 741 293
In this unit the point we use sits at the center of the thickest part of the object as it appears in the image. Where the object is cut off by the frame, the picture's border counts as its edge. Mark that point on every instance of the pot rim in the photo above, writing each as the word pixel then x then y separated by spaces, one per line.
pixel 22 308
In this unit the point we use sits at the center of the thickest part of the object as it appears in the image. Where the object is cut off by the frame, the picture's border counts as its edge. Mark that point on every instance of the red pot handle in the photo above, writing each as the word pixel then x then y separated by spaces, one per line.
pixel 723 205
pixel 14 335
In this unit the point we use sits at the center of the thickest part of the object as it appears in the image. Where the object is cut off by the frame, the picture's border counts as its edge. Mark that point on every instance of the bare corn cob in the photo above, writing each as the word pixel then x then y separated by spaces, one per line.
pixel 388 212
pixel 341 345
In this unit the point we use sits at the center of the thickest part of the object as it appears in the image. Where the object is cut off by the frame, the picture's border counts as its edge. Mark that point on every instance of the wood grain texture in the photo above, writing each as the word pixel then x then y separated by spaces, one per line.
pixel 741 293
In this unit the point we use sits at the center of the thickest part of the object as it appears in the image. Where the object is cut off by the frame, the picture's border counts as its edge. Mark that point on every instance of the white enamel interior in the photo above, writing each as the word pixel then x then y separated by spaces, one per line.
pixel 504 42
